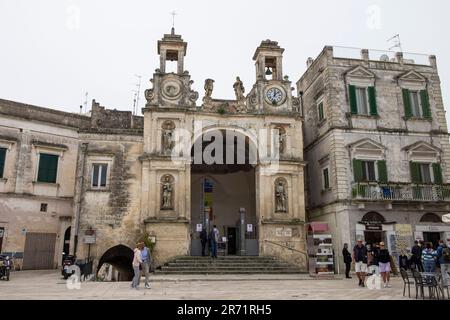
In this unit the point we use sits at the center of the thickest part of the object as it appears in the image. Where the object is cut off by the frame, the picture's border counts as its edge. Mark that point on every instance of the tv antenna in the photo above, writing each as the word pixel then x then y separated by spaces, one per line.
pixel 397 43
pixel 136 94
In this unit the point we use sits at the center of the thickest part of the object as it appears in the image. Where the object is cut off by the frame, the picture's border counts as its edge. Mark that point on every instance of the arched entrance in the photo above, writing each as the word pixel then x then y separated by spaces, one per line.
pixel 120 257
pixel 223 182
pixel 374 227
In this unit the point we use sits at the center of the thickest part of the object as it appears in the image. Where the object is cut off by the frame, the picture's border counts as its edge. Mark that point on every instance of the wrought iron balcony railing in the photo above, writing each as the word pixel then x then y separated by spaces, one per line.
pixel 400 192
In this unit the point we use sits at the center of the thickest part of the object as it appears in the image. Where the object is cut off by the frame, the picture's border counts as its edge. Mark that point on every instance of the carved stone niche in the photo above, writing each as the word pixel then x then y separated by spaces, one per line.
pixel 167 193
pixel 282 140
pixel 167 137
pixel 281 195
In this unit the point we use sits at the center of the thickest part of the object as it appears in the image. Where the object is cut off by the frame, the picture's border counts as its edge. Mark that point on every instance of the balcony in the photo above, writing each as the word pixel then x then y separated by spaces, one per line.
pixel 372 191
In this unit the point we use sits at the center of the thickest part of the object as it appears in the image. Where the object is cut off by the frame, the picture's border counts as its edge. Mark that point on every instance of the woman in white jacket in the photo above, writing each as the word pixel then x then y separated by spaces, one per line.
pixel 137 260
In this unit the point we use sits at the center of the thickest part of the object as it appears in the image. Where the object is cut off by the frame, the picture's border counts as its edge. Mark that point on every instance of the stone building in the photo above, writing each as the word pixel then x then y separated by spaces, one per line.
pixel 108 177
pixel 376 135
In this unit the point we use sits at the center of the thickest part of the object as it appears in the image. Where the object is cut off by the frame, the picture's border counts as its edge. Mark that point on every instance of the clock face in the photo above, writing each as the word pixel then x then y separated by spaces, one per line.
pixel 274 95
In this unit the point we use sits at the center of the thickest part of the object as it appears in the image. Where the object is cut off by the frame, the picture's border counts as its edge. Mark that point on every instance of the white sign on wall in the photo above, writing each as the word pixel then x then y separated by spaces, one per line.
pixel 288 232
pixel 89 239
pixel 249 227
pixel 199 227
pixel 279 232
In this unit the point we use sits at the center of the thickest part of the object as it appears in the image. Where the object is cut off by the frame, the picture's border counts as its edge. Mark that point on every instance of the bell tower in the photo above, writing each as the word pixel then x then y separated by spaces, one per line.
pixel 171 90
pixel 269 61
pixel 272 91
pixel 172 48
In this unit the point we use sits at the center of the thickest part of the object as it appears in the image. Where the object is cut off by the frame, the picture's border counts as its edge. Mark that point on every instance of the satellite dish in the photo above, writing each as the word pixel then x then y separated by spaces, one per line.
pixel 384 58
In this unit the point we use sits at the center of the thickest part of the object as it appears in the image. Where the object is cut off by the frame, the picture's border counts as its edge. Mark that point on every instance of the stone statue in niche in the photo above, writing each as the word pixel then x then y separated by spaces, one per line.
pixel 281 141
pixel 168 141
pixel 280 196
pixel 166 193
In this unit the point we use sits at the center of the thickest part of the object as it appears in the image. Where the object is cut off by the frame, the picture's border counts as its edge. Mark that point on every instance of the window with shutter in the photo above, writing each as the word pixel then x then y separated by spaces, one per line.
pixel 407 103
pixel 48 167
pixel 2 161
pixel 357 170
pixel 437 173
pixel 382 171
pixel 352 98
pixel 415 172
pixel 99 175
pixel 425 101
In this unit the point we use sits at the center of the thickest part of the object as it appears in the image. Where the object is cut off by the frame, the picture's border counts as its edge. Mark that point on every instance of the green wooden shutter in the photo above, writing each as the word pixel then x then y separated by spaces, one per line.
pixel 437 173
pixel 2 161
pixel 48 166
pixel 372 101
pixel 415 172
pixel 352 97
pixel 382 171
pixel 357 170
pixel 321 117
pixel 425 104
pixel 407 103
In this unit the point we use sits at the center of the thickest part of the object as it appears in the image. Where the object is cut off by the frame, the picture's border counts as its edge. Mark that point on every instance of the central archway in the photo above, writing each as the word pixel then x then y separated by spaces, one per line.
pixel 121 258
pixel 223 182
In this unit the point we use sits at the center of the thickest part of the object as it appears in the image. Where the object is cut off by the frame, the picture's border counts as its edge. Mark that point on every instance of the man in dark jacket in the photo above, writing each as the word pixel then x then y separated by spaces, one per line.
pixel 347 260
pixel 360 260
pixel 204 240
pixel 416 257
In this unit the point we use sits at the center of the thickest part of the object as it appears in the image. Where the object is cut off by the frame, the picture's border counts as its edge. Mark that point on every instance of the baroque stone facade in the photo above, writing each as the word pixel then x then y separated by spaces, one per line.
pixel 119 176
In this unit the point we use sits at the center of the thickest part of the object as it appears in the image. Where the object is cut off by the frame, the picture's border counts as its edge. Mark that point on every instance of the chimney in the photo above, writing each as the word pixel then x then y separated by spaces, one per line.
pixel 365 54
pixel 309 62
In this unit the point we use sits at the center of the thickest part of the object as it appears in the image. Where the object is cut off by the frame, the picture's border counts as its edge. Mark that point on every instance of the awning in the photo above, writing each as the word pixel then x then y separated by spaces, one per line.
pixel 446 218
pixel 318 227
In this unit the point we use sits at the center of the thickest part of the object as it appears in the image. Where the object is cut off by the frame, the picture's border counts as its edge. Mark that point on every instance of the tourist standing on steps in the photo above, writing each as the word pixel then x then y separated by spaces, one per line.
pixel 137 260
pixel 146 263
pixel 360 260
pixel 214 238
pixel 347 260
pixel 204 240
pixel 384 262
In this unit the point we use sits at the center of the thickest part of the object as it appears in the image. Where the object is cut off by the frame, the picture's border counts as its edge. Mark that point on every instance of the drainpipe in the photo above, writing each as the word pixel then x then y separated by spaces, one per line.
pixel 79 192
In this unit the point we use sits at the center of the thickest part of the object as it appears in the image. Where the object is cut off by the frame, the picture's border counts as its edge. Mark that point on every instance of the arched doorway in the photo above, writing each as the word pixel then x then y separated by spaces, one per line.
pixel 432 236
pixel 223 182
pixel 119 257
pixel 374 227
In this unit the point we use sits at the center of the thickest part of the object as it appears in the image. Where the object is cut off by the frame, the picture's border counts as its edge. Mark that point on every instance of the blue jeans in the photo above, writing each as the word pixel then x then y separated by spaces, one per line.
pixel 136 278
pixel 214 249
pixel 429 266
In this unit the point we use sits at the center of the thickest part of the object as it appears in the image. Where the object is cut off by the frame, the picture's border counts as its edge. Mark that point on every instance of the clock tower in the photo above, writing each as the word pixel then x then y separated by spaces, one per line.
pixel 272 91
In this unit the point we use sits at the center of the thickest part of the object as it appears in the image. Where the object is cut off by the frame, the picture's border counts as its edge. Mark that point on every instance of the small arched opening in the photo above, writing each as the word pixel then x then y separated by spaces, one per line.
pixel 120 258
pixel 66 245
pixel 432 236
pixel 374 227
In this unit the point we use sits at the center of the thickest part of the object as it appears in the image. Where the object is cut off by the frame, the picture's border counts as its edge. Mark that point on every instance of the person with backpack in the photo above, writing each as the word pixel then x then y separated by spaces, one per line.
pixel 214 238
pixel 443 254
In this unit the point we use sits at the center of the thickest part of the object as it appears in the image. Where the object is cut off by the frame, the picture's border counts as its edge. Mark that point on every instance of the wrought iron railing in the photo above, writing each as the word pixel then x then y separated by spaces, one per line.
pixel 400 191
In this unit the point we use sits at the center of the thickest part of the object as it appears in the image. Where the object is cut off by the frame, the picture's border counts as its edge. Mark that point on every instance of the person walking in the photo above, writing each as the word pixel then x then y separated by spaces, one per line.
pixel 137 260
pixel 146 263
pixel 214 238
pixel 384 263
pixel 360 261
pixel 416 257
pixel 204 240
pixel 428 257
pixel 347 260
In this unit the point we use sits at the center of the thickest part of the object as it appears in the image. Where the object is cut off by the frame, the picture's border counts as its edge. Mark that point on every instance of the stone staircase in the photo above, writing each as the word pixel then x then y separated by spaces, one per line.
pixel 228 265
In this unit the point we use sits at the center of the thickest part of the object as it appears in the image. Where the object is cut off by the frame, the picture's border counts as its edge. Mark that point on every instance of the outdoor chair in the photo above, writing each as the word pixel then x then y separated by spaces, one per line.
pixel 427 282
pixel 445 281
pixel 406 282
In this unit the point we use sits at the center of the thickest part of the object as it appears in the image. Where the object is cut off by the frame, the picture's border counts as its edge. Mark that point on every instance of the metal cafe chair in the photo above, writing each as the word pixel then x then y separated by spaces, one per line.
pixel 445 282
pixel 406 282
pixel 427 281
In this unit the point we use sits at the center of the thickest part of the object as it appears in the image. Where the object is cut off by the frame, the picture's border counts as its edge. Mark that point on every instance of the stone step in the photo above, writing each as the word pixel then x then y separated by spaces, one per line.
pixel 243 265
pixel 227 258
pixel 285 271
pixel 226 267
pixel 223 261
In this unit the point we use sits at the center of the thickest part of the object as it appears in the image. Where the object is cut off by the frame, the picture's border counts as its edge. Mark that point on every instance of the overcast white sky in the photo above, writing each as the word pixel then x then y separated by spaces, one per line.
pixel 52 52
